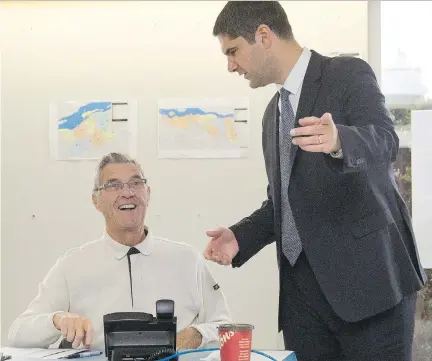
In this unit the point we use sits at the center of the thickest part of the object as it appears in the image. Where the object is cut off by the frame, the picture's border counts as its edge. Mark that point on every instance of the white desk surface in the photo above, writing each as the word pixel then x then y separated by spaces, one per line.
pixel 197 356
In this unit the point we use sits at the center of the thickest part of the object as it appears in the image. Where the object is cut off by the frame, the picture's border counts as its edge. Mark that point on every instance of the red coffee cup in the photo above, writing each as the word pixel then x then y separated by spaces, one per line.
pixel 235 341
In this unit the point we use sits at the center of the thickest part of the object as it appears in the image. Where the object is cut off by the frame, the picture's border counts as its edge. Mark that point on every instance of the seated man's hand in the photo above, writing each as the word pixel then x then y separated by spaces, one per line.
pixel 188 339
pixel 74 328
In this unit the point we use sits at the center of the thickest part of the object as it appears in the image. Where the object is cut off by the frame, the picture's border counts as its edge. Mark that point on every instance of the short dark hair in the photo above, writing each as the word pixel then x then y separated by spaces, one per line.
pixel 242 18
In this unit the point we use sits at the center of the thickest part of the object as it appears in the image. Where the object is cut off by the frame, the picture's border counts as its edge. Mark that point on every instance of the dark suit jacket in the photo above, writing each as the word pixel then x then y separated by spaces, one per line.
pixel 354 226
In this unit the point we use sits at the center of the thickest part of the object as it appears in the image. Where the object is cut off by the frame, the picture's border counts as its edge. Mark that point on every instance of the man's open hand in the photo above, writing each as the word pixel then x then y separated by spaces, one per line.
pixel 74 328
pixel 317 134
pixel 223 246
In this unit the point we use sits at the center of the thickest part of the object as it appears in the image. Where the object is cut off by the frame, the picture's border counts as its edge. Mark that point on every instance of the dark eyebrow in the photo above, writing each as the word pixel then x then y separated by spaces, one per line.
pixel 110 180
pixel 229 50
pixel 136 176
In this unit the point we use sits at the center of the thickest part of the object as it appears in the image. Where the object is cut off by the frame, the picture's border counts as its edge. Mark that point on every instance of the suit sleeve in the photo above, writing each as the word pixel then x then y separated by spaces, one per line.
pixel 34 327
pixel 368 139
pixel 213 308
pixel 254 232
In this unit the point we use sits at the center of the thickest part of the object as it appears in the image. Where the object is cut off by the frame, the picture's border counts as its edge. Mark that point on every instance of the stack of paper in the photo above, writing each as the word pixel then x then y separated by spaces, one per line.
pixel 39 353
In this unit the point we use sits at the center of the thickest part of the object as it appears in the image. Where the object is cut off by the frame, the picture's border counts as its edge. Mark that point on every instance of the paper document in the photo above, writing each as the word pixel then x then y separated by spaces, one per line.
pixel 279 355
pixel 40 353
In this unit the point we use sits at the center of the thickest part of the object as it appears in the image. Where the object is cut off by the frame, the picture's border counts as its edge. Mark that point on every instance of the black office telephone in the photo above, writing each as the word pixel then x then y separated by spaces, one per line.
pixel 138 336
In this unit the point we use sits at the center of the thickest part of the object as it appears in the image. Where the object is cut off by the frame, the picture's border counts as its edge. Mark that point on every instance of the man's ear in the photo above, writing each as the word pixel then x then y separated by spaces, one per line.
pixel 148 195
pixel 95 201
pixel 263 36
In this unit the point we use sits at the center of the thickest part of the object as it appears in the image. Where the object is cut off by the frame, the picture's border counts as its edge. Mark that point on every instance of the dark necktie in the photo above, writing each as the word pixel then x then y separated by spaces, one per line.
pixel 291 244
pixel 131 251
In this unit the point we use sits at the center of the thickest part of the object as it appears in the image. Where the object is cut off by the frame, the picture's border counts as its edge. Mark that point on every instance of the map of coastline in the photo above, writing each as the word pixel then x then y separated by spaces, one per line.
pixel 77 118
pixel 215 124
pixel 86 130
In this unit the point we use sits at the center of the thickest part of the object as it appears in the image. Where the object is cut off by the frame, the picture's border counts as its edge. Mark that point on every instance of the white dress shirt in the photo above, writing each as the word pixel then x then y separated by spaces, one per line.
pixel 294 81
pixel 93 280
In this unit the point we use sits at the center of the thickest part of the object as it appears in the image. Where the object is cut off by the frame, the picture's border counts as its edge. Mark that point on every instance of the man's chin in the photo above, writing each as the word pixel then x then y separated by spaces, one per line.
pixel 130 225
pixel 254 84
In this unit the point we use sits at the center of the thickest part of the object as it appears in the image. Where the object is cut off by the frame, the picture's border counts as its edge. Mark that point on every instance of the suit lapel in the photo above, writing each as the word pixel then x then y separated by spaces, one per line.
pixel 273 146
pixel 310 88
pixel 309 92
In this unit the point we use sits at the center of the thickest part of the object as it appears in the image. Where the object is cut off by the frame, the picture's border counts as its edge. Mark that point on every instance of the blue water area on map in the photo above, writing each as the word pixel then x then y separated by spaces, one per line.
pixel 75 119
pixel 191 111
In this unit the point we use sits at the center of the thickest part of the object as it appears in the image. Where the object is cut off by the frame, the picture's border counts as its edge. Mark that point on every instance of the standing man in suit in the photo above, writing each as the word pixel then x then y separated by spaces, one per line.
pixel 348 263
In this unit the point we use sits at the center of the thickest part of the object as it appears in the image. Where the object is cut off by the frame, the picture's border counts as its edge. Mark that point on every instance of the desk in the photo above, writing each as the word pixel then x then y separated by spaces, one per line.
pixel 197 356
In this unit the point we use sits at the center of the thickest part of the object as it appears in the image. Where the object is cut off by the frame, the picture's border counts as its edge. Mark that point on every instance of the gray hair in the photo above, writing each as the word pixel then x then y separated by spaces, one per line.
pixel 113 158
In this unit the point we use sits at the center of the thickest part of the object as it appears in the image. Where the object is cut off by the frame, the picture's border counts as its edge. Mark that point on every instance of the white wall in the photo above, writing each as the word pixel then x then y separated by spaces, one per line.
pixel 135 50
pixel 374 37
pixel 0 177
pixel 421 159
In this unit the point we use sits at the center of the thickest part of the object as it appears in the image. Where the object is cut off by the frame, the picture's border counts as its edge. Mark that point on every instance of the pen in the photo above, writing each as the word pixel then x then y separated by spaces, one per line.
pixel 84 354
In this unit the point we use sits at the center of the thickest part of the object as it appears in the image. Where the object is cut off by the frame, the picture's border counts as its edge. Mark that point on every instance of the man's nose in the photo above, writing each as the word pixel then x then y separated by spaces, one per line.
pixel 232 66
pixel 126 191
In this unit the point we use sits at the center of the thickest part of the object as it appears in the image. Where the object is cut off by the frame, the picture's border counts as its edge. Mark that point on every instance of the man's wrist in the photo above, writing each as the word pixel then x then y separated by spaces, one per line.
pixel 56 318
pixel 336 151
pixel 337 154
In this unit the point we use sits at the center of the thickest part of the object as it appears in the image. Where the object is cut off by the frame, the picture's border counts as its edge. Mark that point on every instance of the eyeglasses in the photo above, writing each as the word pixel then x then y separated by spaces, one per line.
pixel 115 186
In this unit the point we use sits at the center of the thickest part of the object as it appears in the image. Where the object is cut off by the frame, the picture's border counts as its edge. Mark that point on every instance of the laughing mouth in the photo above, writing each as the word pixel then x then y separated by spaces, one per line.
pixel 127 207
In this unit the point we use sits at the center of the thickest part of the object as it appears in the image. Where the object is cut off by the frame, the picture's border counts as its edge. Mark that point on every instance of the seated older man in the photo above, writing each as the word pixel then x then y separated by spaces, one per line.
pixel 128 269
